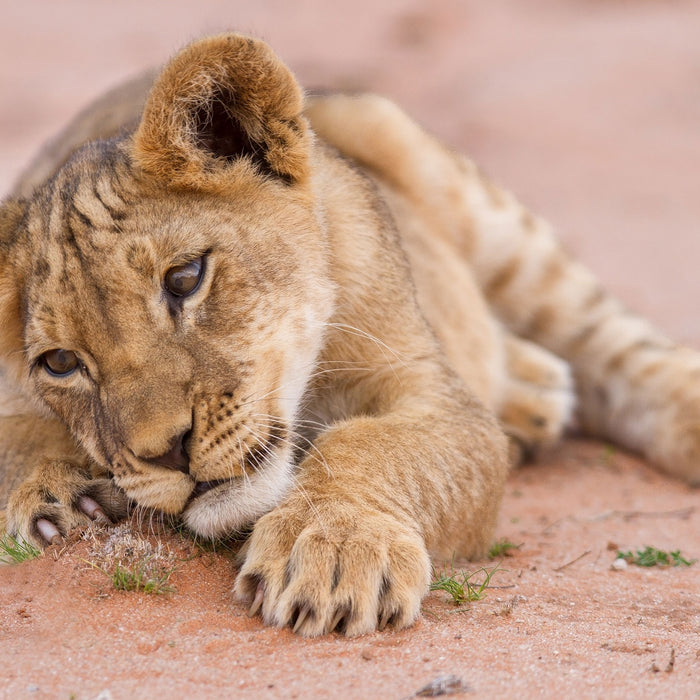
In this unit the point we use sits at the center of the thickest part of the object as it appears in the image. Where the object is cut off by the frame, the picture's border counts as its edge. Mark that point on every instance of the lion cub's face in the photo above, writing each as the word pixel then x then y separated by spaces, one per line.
pixel 176 293
pixel 167 290
pixel 174 333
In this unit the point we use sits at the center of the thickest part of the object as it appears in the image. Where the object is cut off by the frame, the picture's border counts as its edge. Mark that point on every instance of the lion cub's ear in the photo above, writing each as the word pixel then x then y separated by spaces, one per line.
pixel 223 104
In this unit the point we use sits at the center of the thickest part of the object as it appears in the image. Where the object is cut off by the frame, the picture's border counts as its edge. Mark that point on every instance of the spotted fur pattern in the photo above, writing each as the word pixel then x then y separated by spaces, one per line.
pixel 370 333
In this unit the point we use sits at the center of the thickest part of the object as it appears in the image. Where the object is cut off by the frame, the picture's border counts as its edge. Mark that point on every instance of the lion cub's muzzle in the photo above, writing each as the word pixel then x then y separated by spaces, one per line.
pixel 223 469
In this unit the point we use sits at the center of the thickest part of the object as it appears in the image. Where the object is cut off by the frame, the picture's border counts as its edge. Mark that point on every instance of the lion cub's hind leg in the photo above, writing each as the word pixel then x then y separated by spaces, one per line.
pixel 538 398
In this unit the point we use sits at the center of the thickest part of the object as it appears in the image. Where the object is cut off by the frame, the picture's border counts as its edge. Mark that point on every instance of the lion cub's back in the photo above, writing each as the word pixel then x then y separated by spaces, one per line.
pixel 101 119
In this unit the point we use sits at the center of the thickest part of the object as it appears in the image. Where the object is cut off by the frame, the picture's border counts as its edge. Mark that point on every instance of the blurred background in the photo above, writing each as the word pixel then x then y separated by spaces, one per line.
pixel 589 110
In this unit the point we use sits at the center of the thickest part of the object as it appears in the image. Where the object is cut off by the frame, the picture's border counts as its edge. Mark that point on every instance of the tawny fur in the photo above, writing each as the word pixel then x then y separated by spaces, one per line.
pixel 369 324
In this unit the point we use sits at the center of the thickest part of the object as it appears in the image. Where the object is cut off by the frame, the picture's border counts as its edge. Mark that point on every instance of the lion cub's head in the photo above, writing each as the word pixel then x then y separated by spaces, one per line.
pixel 166 291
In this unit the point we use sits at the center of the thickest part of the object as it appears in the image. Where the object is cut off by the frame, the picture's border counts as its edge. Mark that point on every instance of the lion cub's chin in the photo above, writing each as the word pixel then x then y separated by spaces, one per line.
pixel 233 505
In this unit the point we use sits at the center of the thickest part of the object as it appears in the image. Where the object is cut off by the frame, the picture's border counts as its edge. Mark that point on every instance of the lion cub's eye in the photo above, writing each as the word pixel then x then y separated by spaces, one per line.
pixel 60 363
pixel 183 280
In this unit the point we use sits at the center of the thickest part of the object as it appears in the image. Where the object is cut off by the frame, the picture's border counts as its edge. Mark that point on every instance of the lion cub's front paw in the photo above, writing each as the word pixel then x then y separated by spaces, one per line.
pixel 57 497
pixel 353 572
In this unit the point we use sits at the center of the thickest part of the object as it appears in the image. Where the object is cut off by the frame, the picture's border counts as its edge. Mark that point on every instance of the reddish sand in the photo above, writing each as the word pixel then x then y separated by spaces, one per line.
pixel 589 110
pixel 558 622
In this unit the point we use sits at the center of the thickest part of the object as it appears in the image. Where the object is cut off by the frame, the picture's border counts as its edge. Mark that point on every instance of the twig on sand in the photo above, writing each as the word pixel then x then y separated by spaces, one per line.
pixel 573 561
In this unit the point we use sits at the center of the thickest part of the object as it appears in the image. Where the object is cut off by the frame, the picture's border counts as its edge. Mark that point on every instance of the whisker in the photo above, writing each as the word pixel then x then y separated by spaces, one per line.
pixel 242 462
pixel 308 423
pixel 317 453
pixel 353 330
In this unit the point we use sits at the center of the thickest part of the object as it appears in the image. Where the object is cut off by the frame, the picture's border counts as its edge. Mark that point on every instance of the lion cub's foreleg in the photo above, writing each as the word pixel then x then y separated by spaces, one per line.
pixel 349 548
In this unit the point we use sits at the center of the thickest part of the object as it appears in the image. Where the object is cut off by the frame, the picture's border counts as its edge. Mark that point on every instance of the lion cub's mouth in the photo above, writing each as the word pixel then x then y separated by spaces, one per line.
pixel 202 487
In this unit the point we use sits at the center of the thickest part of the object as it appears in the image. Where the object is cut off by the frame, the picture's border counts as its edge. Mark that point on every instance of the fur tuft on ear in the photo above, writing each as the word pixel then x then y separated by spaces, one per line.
pixel 223 101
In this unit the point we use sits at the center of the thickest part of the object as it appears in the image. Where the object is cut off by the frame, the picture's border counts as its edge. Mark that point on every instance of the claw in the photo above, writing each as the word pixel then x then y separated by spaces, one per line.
pixel 92 509
pixel 301 618
pixel 48 531
pixel 384 621
pixel 257 601
pixel 339 615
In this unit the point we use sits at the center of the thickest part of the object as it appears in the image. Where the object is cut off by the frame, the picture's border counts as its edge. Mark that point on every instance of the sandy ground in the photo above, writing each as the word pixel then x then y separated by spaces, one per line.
pixel 588 110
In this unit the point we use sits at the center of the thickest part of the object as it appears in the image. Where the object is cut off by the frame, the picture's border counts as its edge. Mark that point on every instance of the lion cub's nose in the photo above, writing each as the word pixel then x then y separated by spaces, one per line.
pixel 176 457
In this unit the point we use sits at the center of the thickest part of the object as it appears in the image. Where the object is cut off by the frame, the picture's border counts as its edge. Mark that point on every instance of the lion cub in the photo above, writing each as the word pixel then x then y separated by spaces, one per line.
pixel 238 307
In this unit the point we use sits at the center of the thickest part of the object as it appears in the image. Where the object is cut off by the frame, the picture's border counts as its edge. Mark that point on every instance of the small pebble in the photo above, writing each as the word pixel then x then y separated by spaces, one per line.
pixel 103 695
pixel 443 685
pixel 619 565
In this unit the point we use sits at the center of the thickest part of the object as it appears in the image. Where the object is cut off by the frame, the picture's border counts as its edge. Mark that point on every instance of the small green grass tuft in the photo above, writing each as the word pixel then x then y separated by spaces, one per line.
pixel 461 585
pixel 143 576
pixel 15 550
pixel 501 548
pixel 651 556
